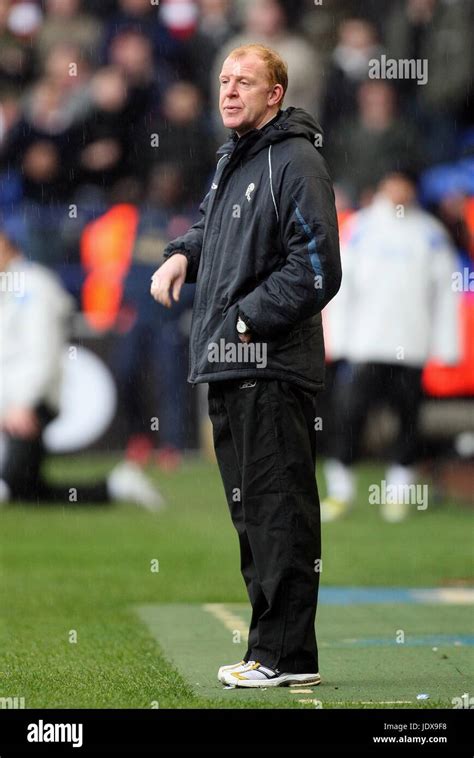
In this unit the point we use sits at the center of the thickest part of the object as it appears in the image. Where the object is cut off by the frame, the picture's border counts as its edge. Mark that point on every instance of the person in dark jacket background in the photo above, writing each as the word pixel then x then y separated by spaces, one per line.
pixel 265 258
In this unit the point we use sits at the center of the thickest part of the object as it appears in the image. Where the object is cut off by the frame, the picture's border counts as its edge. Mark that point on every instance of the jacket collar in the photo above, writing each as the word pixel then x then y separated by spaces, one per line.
pixel 237 145
pixel 235 137
pixel 287 124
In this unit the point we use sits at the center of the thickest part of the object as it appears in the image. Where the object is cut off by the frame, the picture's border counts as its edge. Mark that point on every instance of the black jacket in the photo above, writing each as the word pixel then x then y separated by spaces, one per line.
pixel 266 247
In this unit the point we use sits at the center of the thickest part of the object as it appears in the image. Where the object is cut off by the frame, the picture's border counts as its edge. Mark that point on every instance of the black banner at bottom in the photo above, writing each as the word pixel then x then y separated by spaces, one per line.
pixel 244 731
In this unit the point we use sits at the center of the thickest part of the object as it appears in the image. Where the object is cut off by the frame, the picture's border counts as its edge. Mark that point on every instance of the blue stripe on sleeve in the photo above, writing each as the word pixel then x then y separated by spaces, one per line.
pixel 312 247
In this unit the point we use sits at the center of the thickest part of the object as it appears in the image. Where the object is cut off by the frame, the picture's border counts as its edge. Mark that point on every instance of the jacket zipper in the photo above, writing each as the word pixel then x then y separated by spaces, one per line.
pixel 218 225
pixel 192 349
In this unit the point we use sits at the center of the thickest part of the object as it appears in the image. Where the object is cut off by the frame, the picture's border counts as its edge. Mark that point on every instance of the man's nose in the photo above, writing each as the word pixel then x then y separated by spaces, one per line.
pixel 230 90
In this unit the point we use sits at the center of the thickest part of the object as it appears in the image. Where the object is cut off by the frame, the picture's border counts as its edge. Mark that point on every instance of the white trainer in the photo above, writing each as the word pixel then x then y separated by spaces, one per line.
pixel 333 509
pixel 256 675
pixel 4 492
pixel 394 513
pixel 231 667
pixel 128 482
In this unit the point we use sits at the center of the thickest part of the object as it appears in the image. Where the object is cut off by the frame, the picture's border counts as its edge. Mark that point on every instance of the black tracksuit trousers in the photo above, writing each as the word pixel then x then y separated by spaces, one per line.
pixel 265 442
pixel 360 386
pixel 20 466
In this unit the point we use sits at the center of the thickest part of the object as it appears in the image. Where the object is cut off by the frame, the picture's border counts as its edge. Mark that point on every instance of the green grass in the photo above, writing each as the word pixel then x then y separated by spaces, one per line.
pixel 87 569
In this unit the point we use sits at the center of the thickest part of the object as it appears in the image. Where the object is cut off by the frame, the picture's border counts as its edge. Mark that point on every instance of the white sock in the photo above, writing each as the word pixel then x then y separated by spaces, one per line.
pixel 400 475
pixel 340 480
pixel 5 493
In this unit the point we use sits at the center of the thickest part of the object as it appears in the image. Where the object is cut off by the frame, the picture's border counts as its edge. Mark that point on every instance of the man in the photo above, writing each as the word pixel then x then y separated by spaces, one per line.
pixel 397 309
pixel 34 315
pixel 265 257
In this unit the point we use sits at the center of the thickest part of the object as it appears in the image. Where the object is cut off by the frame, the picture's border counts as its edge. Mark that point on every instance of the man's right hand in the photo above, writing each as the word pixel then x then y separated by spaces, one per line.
pixel 21 422
pixel 169 278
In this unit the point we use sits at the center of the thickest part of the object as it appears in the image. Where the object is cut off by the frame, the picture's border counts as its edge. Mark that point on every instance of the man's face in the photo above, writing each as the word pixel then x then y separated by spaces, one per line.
pixel 398 189
pixel 247 100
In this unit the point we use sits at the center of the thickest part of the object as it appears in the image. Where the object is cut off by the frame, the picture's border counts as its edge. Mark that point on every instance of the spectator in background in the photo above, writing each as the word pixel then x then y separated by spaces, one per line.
pixel 395 310
pixel 362 151
pixel 179 17
pixel 331 421
pixel 142 17
pixel 104 151
pixel 184 138
pixel 66 22
pixel 9 114
pixel 439 31
pixel 154 343
pixel 132 53
pixel 452 212
pixel 349 66
pixel 39 151
pixel 10 182
pixel 266 22
pixel 103 10
pixel 70 72
pixel 16 56
pixel 34 310
pixel 216 24
pixel 38 145
pixel 322 24
pixel 455 208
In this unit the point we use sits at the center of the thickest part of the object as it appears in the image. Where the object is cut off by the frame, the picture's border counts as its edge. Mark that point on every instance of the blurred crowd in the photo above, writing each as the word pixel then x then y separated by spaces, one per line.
pixel 109 125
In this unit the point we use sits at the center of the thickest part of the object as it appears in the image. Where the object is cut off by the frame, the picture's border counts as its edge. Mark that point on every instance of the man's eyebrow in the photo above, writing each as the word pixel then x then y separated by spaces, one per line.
pixel 237 76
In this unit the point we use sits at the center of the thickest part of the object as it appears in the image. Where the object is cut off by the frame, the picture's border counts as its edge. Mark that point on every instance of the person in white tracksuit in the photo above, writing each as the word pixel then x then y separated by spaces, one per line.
pixel 34 316
pixel 396 309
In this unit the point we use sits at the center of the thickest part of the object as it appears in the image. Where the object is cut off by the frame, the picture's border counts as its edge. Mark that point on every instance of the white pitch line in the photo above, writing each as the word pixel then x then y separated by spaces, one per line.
pixel 230 620
pixel 448 595
pixel 381 702
pixel 362 702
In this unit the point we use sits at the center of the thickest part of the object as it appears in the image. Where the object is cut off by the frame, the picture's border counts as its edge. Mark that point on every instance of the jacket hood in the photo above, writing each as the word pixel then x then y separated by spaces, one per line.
pixel 289 123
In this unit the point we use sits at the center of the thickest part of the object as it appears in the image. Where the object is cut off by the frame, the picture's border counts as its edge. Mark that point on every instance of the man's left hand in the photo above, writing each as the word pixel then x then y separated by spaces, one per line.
pixel 245 337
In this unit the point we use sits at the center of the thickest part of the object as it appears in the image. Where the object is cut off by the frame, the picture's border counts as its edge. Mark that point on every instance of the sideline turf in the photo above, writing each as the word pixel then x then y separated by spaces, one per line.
pixel 362 663
pixel 86 570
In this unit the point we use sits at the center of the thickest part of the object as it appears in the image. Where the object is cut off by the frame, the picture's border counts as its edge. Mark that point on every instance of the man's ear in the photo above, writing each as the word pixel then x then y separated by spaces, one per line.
pixel 276 96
